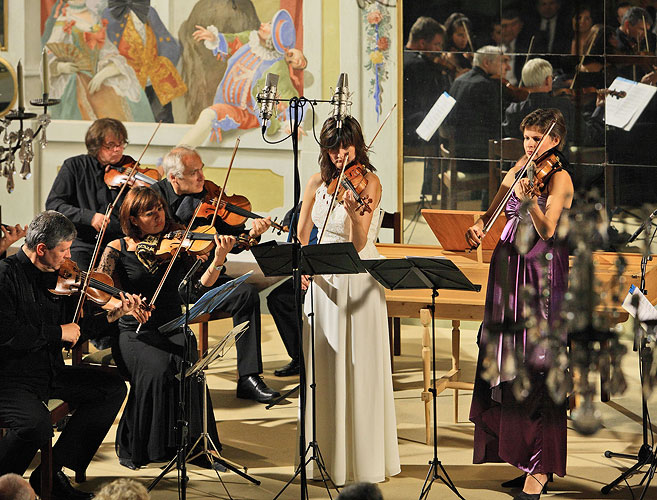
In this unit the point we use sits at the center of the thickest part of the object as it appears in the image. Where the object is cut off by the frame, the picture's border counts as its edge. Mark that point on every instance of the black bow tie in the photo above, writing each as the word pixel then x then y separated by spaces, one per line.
pixel 119 8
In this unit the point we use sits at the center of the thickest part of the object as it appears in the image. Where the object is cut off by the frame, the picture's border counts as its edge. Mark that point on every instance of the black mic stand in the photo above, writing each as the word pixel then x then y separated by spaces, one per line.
pixel 182 424
pixel 647 454
pixel 295 108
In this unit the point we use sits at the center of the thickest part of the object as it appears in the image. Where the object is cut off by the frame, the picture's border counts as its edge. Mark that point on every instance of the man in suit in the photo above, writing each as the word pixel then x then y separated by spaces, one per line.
pixel 515 42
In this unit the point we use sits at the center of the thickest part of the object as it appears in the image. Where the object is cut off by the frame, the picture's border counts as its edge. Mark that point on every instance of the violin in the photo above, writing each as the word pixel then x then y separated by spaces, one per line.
pixel 543 168
pixel 70 278
pixel 234 210
pixel 198 242
pixel 116 175
pixel 353 180
pixel 512 93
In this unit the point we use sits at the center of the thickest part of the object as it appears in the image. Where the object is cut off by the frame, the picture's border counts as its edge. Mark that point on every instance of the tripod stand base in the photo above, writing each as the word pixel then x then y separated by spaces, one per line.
pixel 315 456
pixel 432 475
pixel 646 456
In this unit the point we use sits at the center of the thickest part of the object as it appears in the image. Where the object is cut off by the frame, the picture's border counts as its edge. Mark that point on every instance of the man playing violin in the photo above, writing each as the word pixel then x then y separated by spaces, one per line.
pixel 80 192
pixel 35 325
pixel 183 188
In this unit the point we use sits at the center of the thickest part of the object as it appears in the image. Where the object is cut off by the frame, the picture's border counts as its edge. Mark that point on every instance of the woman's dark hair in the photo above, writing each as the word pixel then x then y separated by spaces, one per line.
pixel 453 22
pixel 331 138
pixel 99 129
pixel 139 200
pixel 541 119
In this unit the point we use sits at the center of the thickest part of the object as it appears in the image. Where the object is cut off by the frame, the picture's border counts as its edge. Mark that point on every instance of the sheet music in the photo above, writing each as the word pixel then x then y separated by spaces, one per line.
pixel 644 311
pixel 435 116
pixel 624 112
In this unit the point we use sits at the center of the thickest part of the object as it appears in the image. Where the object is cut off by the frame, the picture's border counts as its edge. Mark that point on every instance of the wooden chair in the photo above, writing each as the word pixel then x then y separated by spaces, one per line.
pixel 451 185
pixel 393 221
pixel 58 410
pixel 508 149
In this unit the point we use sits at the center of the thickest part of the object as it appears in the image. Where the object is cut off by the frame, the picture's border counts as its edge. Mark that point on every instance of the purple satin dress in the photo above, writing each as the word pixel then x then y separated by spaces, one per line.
pixel 528 434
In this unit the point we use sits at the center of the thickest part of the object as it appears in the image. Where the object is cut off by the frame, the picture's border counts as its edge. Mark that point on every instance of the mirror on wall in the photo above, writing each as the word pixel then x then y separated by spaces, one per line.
pixel 501 60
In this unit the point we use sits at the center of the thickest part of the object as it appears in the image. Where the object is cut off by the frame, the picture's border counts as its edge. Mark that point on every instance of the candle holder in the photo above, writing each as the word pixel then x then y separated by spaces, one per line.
pixel 21 140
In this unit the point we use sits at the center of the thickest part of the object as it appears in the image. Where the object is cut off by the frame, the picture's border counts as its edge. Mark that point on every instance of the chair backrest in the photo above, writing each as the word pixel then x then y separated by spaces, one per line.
pixel 507 149
pixel 392 220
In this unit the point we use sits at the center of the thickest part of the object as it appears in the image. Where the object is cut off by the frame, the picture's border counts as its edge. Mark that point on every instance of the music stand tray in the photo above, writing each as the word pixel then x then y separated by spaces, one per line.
pixel 434 273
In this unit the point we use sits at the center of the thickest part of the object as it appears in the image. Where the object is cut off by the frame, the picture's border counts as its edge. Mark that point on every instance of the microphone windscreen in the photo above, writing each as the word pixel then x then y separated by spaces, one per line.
pixel 271 80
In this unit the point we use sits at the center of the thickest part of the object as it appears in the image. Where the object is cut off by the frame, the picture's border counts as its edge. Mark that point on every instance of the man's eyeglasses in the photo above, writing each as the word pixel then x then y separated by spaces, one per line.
pixel 114 145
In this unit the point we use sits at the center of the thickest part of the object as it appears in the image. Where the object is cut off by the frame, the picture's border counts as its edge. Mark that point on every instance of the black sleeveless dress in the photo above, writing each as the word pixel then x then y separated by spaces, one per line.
pixel 151 360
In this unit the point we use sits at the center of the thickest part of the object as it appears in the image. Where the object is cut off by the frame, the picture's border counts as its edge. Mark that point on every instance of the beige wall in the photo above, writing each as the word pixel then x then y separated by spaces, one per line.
pixel 333 43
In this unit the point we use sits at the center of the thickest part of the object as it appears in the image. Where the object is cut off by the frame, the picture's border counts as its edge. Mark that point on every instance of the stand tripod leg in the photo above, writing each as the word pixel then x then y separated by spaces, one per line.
pixel 164 472
pixel 281 397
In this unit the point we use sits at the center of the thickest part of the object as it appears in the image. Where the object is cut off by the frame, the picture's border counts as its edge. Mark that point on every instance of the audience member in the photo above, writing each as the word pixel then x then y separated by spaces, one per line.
pixel 621 9
pixel 123 489
pixel 515 42
pixel 14 487
pixel 550 24
pixel 361 491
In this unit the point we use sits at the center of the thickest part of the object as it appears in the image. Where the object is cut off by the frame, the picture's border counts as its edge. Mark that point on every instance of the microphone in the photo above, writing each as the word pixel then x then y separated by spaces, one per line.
pixel 188 276
pixel 340 101
pixel 643 226
pixel 266 98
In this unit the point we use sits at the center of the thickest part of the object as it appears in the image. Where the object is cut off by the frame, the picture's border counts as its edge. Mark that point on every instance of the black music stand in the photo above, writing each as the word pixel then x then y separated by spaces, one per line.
pixel 332 258
pixel 433 273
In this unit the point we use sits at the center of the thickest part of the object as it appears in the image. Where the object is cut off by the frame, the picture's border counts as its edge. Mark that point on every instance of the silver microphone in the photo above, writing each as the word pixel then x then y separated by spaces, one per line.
pixel 340 101
pixel 266 98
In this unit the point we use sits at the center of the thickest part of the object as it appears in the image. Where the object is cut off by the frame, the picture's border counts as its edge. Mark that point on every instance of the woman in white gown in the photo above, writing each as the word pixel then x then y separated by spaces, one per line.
pixel 356 424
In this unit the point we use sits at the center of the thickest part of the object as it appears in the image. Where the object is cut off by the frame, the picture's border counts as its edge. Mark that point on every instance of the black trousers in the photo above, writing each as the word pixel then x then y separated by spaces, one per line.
pixel 96 396
pixel 282 308
pixel 243 304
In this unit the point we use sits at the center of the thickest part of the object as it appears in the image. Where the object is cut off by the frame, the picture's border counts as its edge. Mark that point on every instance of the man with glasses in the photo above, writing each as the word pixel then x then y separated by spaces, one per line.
pixel 80 193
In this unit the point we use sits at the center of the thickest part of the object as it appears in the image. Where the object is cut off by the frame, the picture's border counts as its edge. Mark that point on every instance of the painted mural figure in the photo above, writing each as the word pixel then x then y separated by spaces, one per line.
pixel 136 29
pixel 252 54
pixel 87 73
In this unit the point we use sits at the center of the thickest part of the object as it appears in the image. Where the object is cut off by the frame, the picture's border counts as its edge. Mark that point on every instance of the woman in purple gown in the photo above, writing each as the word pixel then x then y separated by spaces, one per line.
pixel 525 427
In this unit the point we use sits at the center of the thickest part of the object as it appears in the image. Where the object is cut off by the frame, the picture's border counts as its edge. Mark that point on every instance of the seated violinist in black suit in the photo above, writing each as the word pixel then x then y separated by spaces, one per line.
pixel 183 189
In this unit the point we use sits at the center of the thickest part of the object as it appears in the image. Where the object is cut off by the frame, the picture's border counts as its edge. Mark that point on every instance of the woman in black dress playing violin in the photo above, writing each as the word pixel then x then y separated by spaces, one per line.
pixel 146 432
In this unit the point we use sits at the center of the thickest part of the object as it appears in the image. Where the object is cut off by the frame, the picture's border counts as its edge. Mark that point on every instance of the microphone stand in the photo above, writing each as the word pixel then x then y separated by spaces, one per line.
pixel 180 460
pixel 647 454
pixel 295 108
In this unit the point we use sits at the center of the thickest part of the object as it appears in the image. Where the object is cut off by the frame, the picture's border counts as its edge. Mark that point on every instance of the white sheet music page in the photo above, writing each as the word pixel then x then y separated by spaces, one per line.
pixel 624 112
pixel 435 116
pixel 644 310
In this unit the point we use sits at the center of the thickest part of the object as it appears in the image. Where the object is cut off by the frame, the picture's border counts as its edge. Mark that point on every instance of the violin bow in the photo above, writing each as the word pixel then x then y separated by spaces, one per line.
pixel 341 176
pixel 467 34
pixel 101 233
pixel 529 51
pixel 223 189
pixel 645 33
pixel 505 199
pixel 581 60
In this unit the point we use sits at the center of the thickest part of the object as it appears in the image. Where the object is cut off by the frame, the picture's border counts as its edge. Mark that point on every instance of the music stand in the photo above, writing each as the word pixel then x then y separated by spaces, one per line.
pixel 434 273
pixel 331 258
pixel 204 305
pixel 198 370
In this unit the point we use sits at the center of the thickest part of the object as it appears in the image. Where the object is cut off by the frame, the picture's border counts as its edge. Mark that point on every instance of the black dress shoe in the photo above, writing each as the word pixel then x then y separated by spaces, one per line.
pixel 253 387
pixel 61 487
pixel 126 462
pixel 292 368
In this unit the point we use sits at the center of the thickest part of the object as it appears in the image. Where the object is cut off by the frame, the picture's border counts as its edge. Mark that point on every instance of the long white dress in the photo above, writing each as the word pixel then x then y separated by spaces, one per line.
pixel 356 423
